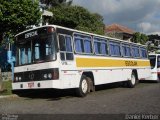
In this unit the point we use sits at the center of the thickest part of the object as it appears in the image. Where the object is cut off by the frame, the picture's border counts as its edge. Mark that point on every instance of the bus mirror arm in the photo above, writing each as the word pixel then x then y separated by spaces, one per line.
pixel 11 60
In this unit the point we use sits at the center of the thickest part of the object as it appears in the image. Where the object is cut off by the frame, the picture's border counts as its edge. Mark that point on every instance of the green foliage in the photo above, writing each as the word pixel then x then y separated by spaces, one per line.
pixel 16 15
pixel 77 18
pixel 140 38
pixel 54 3
pixel 6 88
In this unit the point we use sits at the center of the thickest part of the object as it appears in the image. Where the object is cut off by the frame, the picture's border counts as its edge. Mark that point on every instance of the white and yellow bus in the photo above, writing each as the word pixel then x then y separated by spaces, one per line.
pixel 61 58
pixel 155 67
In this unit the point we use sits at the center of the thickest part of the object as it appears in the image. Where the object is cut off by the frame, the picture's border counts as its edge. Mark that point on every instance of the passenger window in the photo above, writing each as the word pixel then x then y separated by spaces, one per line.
pixel 87 45
pixel 97 47
pixel 100 46
pixel 65 43
pixel 114 48
pixel 126 50
pixel 62 43
pixel 83 44
pixel 143 53
pixel 135 51
pixel 104 48
pixel 79 45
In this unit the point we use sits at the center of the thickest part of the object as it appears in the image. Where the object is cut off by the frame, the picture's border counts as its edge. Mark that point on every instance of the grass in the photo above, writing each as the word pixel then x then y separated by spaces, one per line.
pixel 7 88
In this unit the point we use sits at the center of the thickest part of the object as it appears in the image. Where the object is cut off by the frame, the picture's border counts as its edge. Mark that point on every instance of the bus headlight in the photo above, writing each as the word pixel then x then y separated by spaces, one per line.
pixel 20 78
pixel 49 76
pixel 45 76
pixel 16 78
pixel 52 74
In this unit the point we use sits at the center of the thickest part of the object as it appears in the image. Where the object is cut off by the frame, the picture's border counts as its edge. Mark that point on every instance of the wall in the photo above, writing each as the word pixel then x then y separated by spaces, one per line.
pixel 6 76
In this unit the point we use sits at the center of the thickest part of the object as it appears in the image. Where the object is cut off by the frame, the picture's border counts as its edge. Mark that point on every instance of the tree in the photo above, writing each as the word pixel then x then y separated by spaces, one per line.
pixel 17 15
pixel 77 17
pixel 140 38
pixel 144 38
pixel 54 3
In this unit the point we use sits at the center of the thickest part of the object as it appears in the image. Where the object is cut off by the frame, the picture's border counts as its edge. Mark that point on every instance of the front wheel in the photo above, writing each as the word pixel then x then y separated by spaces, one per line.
pixel 158 79
pixel 83 89
pixel 133 81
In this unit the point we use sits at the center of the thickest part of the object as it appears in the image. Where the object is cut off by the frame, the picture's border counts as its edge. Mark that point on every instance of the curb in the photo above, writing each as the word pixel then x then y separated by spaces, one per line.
pixel 9 96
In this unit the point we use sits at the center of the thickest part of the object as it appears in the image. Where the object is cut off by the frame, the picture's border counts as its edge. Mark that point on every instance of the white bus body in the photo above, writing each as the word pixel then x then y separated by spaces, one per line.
pixel 155 67
pixel 61 58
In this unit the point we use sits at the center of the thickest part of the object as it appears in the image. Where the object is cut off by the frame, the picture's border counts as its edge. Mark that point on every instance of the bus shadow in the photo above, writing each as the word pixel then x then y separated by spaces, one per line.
pixel 50 94
pixel 147 81
pixel 54 94
pixel 109 86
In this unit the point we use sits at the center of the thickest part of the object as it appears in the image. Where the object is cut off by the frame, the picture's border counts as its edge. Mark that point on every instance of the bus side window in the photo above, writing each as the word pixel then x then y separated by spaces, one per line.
pixel 143 53
pixel 114 48
pixel 65 43
pixel 79 45
pixel 126 50
pixel 97 47
pixel 69 51
pixel 135 51
pixel 83 44
pixel 100 46
pixel 158 61
pixel 104 48
pixel 87 45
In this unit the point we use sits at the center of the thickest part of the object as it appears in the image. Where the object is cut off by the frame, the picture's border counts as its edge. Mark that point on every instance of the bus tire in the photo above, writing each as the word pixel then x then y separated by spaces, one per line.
pixel 83 89
pixel 158 80
pixel 133 81
pixel 91 85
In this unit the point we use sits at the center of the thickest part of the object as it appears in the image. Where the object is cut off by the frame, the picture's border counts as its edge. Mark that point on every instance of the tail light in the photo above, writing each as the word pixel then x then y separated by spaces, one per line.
pixel 51 74
pixel 55 74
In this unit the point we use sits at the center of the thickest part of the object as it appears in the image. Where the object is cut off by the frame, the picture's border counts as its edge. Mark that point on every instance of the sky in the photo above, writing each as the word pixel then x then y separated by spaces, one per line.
pixel 139 15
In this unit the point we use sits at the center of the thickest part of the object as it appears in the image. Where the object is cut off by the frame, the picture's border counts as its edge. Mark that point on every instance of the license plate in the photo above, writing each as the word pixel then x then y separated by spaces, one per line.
pixel 31 85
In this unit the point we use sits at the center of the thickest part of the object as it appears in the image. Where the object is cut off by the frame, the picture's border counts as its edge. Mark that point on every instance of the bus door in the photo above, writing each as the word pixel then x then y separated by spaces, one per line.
pixel 158 67
pixel 154 68
pixel 66 52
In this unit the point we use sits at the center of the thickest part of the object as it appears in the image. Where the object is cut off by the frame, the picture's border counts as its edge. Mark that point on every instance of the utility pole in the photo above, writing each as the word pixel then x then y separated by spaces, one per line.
pixel 0 80
pixel 10 59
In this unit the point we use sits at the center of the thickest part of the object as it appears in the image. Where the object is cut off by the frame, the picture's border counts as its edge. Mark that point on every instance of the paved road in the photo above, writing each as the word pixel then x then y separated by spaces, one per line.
pixel 144 98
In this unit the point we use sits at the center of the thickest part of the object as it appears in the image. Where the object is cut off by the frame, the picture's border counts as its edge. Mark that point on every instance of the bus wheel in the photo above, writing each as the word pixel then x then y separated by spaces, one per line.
pixel 91 85
pixel 158 80
pixel 83 89
pixel 133 81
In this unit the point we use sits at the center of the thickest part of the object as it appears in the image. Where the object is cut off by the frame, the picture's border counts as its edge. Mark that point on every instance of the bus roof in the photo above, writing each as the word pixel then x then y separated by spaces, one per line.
pixel 156 54
pixel 56 26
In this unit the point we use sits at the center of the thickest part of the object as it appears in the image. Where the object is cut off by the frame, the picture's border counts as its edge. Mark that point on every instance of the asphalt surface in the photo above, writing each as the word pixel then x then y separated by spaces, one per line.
pixel 109 99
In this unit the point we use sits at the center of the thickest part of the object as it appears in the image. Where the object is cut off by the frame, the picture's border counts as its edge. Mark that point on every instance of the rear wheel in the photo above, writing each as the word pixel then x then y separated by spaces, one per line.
pixel 83 89
pixel 133 81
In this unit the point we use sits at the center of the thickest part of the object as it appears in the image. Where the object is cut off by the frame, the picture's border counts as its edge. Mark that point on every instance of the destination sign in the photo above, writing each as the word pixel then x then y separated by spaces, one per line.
pixel 34 33
pixel 131 63
pixel 31 34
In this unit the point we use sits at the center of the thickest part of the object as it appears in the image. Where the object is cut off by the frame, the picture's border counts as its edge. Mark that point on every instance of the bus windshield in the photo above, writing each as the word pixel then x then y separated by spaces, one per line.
pixel 152 61
pixel 35 49
pixel 158 61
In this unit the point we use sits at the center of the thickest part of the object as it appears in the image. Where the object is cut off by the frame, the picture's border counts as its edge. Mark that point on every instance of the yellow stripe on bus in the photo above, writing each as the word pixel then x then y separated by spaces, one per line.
pixel 93 62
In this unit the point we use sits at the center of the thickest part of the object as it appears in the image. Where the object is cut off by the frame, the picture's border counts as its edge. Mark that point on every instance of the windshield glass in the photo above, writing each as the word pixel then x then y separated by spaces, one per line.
pixel 35 50
pixel 158 61
pixel 152 61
